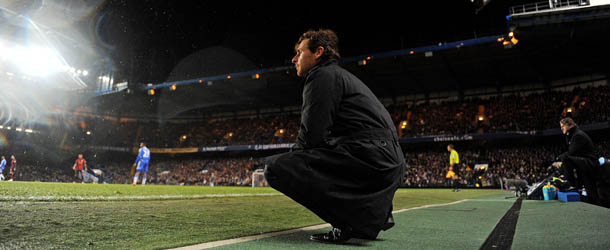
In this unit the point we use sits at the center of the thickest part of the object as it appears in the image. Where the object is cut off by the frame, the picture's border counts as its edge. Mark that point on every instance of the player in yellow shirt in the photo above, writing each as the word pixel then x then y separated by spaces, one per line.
pixel 454 167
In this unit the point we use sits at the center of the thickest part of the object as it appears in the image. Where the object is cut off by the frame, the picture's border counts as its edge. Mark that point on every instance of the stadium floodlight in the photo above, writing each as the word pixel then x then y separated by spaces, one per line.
pixel 29 130
pixel 35 61
pixel 1 127
pixel 18 129
pixel 85 73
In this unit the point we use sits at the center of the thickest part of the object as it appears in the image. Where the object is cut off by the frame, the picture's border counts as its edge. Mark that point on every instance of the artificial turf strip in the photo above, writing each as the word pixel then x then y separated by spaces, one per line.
pixel 465 225
pixel 561 225
pixel 165 223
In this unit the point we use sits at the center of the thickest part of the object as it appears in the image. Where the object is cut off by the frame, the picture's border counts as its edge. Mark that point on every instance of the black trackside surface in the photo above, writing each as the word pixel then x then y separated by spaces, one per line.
pixel 501 238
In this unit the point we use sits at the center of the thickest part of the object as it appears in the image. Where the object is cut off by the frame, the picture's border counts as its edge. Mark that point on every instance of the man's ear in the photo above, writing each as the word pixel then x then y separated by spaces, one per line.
pixel 319 52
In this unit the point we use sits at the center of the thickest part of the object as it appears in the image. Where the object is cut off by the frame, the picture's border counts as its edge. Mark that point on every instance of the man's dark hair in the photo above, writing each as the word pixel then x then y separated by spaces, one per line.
pixel 567 121
pixel 324 38
pixel 451 146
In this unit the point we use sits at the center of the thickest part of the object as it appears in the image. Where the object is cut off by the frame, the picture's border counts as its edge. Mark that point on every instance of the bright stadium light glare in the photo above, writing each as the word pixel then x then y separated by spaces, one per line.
pixel 85 73
pixel 35 61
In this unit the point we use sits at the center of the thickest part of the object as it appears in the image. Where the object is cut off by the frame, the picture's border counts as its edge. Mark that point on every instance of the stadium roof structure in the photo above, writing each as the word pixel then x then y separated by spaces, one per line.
pixel 544 55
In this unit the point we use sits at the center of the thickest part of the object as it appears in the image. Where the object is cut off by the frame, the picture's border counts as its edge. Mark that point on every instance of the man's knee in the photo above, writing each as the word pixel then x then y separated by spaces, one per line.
pixel 270 174
pixel 280 169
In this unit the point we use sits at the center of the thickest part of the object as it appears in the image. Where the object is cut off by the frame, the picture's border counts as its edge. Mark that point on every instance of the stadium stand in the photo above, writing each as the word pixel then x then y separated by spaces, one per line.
pixel 533 111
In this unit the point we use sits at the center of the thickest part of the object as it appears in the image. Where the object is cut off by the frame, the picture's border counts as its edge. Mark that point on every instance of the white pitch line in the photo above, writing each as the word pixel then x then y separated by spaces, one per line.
pixel 273 234
pixel 127 197
pixel 249 238
pixel 427 206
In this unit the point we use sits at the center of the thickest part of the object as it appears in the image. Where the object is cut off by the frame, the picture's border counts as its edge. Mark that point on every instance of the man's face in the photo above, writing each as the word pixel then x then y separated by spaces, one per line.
pixel 80 156
pixel 449 148
pixel 564 128
pixel 305 59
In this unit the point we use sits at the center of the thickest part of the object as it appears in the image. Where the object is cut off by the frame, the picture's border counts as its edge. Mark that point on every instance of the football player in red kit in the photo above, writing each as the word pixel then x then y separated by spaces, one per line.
pixel 80 166
pixel 13 168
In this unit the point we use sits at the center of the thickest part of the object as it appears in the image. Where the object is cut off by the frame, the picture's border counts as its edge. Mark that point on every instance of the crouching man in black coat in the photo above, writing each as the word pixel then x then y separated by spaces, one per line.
pixel 346 164
pixel 579 164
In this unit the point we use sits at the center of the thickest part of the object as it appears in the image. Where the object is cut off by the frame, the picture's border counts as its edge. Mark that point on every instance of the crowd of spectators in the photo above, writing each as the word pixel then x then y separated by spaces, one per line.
pixel 525 162
pixel 428 169
pixel 27 172
pixel 502 113
pixel 535 111
pixel 425 168
pixel 516 112
pixel 208 172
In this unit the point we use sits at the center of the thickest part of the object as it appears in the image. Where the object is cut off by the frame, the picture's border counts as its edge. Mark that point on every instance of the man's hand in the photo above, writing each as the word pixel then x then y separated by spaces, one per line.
pixel 557 164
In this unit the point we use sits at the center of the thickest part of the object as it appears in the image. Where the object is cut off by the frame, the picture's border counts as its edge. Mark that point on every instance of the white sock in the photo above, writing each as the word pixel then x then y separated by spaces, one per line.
pixel 135 179
pixel 144 180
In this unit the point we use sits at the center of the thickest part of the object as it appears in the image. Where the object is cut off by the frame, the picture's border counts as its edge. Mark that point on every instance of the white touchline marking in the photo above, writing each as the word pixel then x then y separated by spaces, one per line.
pixel 267 235
pixel 427 206
pixel 126 197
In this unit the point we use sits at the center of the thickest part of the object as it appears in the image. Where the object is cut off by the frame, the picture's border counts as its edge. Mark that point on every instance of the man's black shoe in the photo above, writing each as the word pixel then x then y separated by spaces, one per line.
pixel 335 236
pixel 389 223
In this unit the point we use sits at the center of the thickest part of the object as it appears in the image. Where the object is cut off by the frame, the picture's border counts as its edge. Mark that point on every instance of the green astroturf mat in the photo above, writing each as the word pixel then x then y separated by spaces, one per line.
pixel 465 225
pixel 561 225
